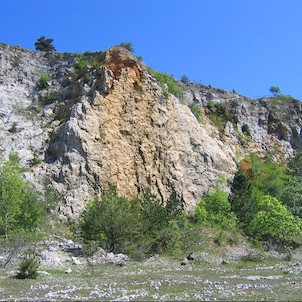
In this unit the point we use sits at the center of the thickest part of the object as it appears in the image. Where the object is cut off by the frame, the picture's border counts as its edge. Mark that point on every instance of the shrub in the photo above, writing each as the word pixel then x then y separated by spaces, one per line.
pixel 295 164
pixel 215 210
pixel 13 128
pixel 20 209
pixel 44 44
pixel 111 221
pixel 255 178
pixel 275 90
pixel 127 45
pixel 168 84
pixel 185 79
pixel 274 221
pixel 154 219
pixel 43 81
pixel 80 65
pixel 138 227
pixel 291 195
pixel 196 110
pixel 28 268
pixel 218 115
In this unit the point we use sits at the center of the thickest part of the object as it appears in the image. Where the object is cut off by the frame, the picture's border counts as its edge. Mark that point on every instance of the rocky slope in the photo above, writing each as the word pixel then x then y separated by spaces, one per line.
pixel 112 124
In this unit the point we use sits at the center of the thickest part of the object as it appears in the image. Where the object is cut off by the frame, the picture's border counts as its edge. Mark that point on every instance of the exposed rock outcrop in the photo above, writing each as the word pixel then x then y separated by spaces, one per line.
pixel 112 125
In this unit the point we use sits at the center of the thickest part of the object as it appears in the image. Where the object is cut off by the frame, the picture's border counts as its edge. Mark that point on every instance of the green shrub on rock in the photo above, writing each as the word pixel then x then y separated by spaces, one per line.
pixel 168 84
pixel 43 81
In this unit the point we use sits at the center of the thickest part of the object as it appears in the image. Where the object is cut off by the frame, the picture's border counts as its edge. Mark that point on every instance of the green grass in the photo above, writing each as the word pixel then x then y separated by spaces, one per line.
pixel 282 99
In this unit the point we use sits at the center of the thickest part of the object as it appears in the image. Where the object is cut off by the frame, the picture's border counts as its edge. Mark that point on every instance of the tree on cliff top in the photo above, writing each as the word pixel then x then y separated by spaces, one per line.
pixel 44 44
pixel 275 90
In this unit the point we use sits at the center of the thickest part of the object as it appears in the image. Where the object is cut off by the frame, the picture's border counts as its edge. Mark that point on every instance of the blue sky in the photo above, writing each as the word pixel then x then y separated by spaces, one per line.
pixel 246 45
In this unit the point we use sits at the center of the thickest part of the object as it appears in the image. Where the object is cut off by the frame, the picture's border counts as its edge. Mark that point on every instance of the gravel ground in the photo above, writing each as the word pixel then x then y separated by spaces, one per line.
pixel 162 279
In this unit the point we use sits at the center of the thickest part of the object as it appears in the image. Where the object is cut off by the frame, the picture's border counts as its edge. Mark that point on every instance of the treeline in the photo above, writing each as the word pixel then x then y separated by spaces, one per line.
pixel 265 204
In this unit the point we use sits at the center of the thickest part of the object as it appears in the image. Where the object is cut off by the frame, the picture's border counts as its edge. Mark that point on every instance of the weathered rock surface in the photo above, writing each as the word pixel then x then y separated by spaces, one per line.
pixel 114 127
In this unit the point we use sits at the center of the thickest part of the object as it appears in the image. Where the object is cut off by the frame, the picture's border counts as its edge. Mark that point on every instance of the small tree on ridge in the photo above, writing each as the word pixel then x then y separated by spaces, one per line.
pixel 44 44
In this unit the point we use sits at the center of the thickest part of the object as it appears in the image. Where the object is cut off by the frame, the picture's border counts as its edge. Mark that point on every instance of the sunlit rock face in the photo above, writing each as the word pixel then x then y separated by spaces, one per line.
pixel 111 124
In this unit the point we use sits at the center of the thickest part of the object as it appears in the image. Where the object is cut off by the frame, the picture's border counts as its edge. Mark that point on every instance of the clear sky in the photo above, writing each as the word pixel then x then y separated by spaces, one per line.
pixel 246 45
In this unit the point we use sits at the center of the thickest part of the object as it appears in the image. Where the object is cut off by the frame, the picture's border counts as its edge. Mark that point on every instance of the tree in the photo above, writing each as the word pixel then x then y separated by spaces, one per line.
pixel 20 209
pixel 275 90
pixel 295 164
pixel 215 210
pixel 185 79
pixel 110 221
pixel 291 195
pixel 44 44
pixel 274 221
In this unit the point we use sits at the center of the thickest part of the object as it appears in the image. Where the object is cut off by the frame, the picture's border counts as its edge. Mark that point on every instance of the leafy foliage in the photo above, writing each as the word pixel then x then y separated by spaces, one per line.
pixel 291 196
pixel 43 81
pixel 295 164
pixel 80 65
pixel 20 209
pixel 259 188
pixel 275 90
pixel 28 268
pixel 44 44
pixel 120 225
pixel 274 221
pixel 84 64
pixel 215 210
pixel 111 221
pixel 217 114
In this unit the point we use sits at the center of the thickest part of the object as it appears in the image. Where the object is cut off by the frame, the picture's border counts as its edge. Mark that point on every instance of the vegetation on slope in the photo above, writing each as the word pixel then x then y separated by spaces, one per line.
pixel 258 206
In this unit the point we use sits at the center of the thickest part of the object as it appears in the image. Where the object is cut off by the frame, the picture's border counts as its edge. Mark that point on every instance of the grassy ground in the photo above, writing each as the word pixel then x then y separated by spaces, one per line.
pixel 160 279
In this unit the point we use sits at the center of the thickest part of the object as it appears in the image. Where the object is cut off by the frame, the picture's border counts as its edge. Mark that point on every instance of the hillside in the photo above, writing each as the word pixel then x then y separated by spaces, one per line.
pixel 81 124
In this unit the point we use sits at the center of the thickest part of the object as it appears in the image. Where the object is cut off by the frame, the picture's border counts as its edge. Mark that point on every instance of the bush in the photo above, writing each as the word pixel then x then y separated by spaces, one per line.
pixel 217 115
pixel 197 111
pixel 127 45
pixel 20 209
pixel 49 98
pixel 13 128
pixel 168 84
pixel 215 210
pixel 111 221
pixel 145 226
pixel 44 44
pixel 275 90
pixel 43 81
pixel 291 195
pixel 185 79
pixel 28 268
pixel 295 164
pixel 80 65
pixel 274 221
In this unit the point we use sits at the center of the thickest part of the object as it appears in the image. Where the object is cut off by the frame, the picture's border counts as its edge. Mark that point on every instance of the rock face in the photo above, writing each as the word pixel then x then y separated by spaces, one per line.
pixel 111 125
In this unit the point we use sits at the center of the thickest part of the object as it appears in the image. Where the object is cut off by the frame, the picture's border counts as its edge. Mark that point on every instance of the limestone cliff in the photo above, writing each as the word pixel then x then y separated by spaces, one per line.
pixel 113 125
